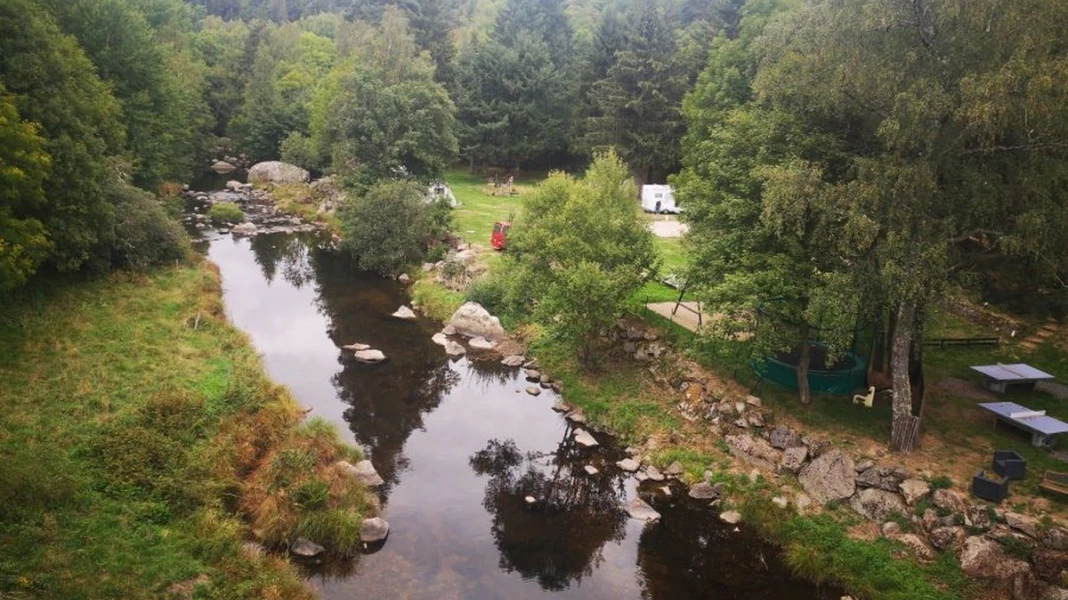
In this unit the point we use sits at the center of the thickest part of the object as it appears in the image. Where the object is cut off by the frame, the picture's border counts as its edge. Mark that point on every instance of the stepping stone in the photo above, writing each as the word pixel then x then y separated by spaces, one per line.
pixel 513 361
pixel 584 439
pixel 628 464
pixel 405 313
pixel 562 407
pixel 640 509
pixel 533 391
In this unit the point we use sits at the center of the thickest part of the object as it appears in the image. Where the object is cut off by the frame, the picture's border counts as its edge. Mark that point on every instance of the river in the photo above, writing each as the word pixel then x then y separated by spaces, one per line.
pixel 461 445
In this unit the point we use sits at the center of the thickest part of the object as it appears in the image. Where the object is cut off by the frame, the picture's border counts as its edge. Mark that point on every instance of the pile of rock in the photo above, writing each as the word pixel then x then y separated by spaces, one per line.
pixel 643 345
pixel 460 267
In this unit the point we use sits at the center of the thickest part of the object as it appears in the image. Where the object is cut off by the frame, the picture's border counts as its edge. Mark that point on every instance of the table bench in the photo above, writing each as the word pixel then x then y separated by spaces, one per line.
pixel 999 377
pixel 1041 427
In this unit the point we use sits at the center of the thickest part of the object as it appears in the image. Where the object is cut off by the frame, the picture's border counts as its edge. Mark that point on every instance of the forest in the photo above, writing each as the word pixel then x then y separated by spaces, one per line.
pixel 831 162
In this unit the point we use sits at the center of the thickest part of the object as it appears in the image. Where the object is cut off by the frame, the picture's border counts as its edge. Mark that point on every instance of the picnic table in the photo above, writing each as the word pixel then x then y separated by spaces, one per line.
pixel 999 376
pixel 1041 427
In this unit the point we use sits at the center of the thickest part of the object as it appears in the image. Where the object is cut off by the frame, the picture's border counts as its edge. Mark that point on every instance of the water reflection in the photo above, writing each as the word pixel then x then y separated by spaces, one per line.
pixel 461 446
pixel 558 538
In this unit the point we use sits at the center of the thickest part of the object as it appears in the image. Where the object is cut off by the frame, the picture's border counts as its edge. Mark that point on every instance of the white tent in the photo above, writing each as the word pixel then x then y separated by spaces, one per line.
pixel 659 199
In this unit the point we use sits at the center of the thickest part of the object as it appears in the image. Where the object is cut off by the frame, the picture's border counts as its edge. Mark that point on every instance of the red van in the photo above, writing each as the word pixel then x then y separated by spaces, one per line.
pixel 499 237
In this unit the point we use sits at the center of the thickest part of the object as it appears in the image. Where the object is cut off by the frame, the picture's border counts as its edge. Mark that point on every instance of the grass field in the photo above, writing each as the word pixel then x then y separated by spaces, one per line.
pixel 478 211
pixel 135 423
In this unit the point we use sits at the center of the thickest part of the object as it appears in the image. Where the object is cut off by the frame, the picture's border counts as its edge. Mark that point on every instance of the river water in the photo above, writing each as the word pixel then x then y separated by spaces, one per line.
pixel 460 445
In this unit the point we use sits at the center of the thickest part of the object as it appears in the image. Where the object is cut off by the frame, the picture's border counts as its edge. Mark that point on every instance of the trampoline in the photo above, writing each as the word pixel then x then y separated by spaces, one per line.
pixel 848 374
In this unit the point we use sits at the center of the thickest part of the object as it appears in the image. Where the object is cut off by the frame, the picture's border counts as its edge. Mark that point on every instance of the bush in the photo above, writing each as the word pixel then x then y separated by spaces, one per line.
pixel 388 226
pixel 226 212
pixel 299 150
pixel 491 293
pixel 145 234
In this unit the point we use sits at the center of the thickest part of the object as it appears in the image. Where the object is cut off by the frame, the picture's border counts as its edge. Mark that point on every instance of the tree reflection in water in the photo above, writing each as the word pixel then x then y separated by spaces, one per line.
pixel 558 539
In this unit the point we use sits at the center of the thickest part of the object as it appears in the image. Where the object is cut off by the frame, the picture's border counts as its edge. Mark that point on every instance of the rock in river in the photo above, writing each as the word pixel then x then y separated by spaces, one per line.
pixel 584 439
pixel 363 471
pixel 473 320
pixel 370 356
pixel 481 343
pixel 640 509
pixel 704 491
pixel 533 390
pixel 454 349
pixel 355 347
pixel 405 313
pixel 306 548
pixel 628 464
pixel 222 167
pixel 514 360
pixel 374 530
pixel 731 516
pixel 439 339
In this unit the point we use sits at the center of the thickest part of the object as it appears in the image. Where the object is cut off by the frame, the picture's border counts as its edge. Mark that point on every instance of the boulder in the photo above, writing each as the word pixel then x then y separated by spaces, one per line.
pixel 1025 524
pixel 877 504
pixel 753 401
pixel 674 469
pixel 640 509
pixel 274 171
pixel 448 330
pixel 864 465
pixel 439 339
pixel 533 390
pixel 913 490
pixel 654 474
pixel 584 439
pixel 234 186
pixel 782 437
pixel 481 343
pixel 704 491
pixel 1055 538
pixel 978 517
pixel 363 471
pixel 945 538
pixel 374 530
pixel 983 558
pixel 514 360
pixel 949 500
pixel 404 313
pixel 244 229
pixel 561 406
pixel 793 459
pixel 916 544
pixel 754 450
pixel 576 416
pixel 473 320
pixel 404 278
pixel 453 349
pixel 1050 565
pixel 222 167
pixel 731 516
pixel 305 548
pixel 628 464
pixel 879 478
pixel 532 375
pixel 890 529
pixel 829 477
pixel 370 356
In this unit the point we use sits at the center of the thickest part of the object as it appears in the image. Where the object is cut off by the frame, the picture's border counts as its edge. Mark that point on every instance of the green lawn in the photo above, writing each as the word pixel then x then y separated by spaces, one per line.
pixel 478 211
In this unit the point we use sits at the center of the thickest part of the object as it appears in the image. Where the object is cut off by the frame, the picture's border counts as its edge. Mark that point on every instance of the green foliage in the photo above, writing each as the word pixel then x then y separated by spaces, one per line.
pixel 635 107
pixel 334 528
pixel 226 212
pixel 312 494
pixel 299 150
pixel 56 87
pixel 146 235
pixel 388 227
pixel 159 87
pixel 580 249
pixel 24 166
pixel 941 482
pixel 513 89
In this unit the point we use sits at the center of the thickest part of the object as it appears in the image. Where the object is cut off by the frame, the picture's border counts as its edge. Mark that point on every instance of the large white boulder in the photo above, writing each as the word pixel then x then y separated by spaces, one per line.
pixel 472 320
pixel 274 171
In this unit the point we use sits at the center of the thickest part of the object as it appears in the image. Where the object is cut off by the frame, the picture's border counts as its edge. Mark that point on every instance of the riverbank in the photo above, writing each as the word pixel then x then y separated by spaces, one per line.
pixel 144 452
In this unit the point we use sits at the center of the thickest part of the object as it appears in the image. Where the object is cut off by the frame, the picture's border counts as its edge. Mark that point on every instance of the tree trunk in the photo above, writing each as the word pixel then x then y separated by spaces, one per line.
pixel 802 368
pixel 891 327
pixel 905 427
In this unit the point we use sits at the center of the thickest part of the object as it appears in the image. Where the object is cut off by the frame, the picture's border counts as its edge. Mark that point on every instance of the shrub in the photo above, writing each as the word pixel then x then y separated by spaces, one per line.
pixel 491 293
pixel 226 212
pixel 145 234
pixel 299 150
pixel 941 483
pixel 388 226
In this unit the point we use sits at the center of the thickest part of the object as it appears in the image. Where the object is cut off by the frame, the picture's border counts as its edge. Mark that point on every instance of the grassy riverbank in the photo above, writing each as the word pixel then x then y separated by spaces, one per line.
pixel 140 445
